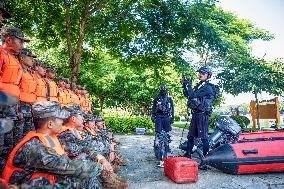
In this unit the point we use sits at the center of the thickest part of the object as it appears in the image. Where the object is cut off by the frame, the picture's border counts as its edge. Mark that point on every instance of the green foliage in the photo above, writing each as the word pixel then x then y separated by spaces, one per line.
pixel 183 125
pixel 248 74
pixel 131 47
pixel 212 120
pixel 243 121
pixel 128 124
pixel 177 118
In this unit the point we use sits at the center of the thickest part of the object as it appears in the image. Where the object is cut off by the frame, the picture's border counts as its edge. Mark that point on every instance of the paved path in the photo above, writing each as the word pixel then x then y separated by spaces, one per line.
pixel 142 172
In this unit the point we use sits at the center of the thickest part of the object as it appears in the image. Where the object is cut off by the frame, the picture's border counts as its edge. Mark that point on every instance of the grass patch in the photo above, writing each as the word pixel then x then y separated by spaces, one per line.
pixel 185 126
pixel 180 125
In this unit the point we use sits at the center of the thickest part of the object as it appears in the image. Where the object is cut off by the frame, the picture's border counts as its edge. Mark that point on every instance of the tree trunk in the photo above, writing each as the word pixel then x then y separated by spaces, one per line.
pixel 75 57
pixel 102 99
pixel 257 109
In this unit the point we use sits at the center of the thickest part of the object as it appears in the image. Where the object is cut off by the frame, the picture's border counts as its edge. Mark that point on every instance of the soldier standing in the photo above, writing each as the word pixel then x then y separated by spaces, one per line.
pixel 52 88
pixel 162 115
pixel 62 93
pixel 27 89
pixel 200 101
pixel 41 88
pixel 10 76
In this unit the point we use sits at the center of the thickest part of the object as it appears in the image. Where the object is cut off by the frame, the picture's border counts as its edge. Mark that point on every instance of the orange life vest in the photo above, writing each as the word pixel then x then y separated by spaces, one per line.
pixel 28 87
pixel 10 73
pixel 62 96
pixel 68 96
pixel 74 98
pixel 73 131
pixel 86 104
pixel 41 90
pixel 53 90
pixel 48 141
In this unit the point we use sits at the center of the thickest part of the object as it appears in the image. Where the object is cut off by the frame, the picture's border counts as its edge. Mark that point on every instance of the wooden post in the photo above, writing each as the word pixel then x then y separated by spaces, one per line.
pixel 253 113
pixel 277 112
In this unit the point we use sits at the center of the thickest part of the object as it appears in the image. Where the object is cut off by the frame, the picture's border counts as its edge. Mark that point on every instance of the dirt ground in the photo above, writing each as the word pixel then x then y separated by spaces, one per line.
pixel 142 171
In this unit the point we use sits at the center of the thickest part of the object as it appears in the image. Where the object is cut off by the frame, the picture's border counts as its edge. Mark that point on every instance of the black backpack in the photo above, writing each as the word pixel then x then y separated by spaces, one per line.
pixel 204 104
pixel 163 105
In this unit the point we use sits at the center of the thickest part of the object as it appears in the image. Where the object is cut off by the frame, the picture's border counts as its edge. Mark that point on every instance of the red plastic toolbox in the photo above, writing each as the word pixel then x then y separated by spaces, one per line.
pixel 181 169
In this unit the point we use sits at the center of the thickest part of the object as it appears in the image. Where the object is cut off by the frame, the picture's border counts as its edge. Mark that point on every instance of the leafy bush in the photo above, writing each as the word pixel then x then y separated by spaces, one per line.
pixel 128 124
pixel 243 121
pixel 212 120
pixel 96 111
pixel 177 118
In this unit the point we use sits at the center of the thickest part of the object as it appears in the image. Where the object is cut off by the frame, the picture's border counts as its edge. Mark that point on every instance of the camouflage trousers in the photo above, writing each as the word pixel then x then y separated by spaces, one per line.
pixel 63 183
pixel 9 140
pixel 26 110
pixel 28 125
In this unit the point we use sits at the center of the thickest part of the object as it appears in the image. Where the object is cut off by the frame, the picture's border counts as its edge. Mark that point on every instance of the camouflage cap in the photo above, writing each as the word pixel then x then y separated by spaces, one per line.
pixel 50 69
pixel 73 109
pixel 66 80
pixel 27 52
pixel 89 117
pixel 5 13
pixel 48 109
pixel 60 78
pixel 12 31
pixel 40 63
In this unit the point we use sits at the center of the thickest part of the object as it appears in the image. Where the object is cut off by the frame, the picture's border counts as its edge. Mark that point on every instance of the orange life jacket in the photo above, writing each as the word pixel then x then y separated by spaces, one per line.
pixel 48 141
pixel 86 104
pixel 41 90
pixel 10 73
pixel 82 100
pixel 74 98
pixel 62 96
pixel 28 87
pixel 68 96
pixel 73 131
pixel 53 90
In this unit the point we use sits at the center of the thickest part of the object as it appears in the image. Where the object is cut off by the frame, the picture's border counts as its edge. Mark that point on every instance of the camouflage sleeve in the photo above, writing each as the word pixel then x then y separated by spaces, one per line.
pixel 34 156
pixel 74 147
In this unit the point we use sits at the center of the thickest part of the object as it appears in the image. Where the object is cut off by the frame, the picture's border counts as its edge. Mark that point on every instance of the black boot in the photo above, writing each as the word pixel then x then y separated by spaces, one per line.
pixel 187 154
pixel 203 167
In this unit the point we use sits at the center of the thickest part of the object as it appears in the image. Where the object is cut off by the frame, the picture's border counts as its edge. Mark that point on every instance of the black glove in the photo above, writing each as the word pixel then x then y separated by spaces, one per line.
pixel 185 81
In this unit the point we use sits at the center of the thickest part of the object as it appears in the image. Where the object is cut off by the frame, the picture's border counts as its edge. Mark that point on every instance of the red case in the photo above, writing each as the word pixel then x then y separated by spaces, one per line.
pixel 181 169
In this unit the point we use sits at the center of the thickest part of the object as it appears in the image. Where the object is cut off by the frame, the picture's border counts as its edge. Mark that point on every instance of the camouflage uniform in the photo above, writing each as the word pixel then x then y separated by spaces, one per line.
pixel 72 173
pixel 34 157
pixel 26 109
pixel 75 147
pixel 6 124
pixel 11 138
pixel 98 142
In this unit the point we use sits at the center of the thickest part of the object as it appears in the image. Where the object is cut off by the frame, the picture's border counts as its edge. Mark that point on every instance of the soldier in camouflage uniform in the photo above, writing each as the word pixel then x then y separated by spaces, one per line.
pixel 27 89
pixel 106 136
pixel 77 147
pixel 33 156
pixel 91 135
